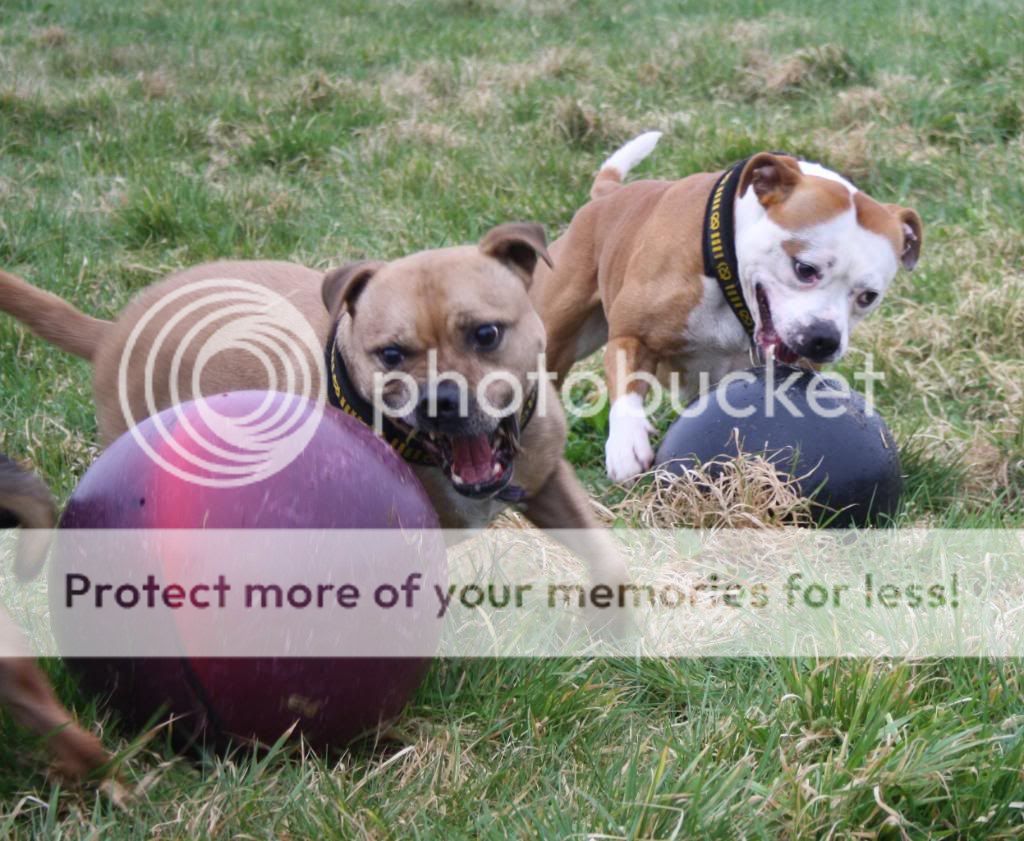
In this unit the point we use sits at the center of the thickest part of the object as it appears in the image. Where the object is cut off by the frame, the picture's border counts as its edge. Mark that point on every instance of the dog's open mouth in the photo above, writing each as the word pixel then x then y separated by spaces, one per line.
pixel 478 465
pixel 768 340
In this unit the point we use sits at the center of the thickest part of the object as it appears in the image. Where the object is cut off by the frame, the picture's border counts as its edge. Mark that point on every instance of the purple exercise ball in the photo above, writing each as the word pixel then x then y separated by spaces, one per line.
pixel 343 477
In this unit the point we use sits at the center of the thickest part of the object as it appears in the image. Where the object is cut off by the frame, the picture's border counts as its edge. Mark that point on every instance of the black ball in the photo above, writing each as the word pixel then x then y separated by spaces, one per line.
pixel 842 453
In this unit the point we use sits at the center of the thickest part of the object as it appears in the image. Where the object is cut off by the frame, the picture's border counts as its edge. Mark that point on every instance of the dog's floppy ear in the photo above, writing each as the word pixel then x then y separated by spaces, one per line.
pixel 342 286
pixel 517 245
pixel 910 226
pixel 773 177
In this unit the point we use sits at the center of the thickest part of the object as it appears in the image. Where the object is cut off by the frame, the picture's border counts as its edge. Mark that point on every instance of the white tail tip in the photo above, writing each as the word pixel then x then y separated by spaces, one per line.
pixel 632 153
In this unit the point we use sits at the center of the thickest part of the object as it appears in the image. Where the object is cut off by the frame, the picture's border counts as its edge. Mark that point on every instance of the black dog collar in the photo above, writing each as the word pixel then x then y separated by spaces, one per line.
pixel 718 240
pixel 407 442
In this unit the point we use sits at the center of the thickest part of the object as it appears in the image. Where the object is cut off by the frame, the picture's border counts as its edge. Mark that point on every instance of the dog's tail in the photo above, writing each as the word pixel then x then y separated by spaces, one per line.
pixel 25 501
pixel 617 167
pixel 49 317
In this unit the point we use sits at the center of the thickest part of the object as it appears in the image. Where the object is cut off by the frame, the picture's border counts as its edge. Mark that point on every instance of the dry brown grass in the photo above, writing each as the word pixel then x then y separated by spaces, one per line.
pixel 319 91
pixel 868 124
pixel 578 122
pixel 827 65
pixel 971 349
pixel 548 63
pixel 746 492
pixel 224 142
pixel 51 36
pixel 423 132
pixel 421 87
pixel 423 95
pixel 155 84
pixel 763 28
pixel 856 148
pixel 855 105
pixel 963 359
pixel 990 469
pixel 533 10
pixel 472 85
pixel 849 150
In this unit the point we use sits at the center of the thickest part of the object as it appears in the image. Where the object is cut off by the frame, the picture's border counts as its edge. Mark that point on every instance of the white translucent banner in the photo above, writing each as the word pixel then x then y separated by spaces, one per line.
pixel 518 593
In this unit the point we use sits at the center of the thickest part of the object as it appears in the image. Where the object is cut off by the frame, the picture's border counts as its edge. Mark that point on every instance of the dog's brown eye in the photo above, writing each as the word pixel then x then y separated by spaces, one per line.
pixel 866 299
pixel 487 336
pixel 805 271
pixel 391 357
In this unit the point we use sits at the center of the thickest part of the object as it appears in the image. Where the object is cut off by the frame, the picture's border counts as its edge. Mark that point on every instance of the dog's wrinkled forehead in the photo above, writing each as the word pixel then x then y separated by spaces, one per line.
pixel 430 292
pixel 824 225
pixel 814 201
pixel 800 197
pixel 436 292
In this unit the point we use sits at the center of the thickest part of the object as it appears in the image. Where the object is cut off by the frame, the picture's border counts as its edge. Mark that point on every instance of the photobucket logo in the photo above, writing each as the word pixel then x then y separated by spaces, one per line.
pixel 787 391
pixel 179 337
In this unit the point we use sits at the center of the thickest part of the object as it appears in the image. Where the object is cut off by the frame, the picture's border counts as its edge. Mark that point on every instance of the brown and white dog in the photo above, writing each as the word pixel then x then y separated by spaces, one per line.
pixel 24 689
pixel 814 253
pixel 464 310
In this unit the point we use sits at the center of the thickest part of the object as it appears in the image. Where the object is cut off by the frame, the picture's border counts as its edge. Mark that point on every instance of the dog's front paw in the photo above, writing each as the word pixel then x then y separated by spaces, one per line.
pixel 628 451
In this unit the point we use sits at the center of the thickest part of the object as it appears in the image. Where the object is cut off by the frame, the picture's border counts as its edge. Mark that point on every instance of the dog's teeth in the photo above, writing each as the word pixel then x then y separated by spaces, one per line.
pixel 496 471
pixel 457 479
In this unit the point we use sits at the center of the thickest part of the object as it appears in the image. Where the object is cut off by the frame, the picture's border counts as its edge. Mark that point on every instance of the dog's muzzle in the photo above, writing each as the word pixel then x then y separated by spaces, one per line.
pixel 475 453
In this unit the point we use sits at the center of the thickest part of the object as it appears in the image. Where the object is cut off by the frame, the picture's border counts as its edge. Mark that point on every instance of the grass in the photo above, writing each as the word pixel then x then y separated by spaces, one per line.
pixel 137 138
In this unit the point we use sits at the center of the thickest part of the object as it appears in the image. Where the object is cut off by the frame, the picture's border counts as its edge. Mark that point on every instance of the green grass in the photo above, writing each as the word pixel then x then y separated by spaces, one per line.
pixel 137 138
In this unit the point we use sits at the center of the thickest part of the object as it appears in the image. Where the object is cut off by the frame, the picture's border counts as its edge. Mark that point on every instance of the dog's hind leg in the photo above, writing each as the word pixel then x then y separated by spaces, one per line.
pixel 25 691
pixel 568 300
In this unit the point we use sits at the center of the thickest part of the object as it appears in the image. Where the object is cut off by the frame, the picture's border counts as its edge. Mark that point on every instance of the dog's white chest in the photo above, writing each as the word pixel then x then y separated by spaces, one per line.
pixel 712 326
pixel 715 342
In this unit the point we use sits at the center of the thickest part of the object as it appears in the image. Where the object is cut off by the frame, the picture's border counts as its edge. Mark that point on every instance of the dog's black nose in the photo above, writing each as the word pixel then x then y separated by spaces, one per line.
pixel 447 397
pixel 820 341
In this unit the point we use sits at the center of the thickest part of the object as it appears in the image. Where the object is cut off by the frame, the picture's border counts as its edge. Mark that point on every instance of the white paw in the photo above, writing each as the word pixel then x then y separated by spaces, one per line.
pixel 628 451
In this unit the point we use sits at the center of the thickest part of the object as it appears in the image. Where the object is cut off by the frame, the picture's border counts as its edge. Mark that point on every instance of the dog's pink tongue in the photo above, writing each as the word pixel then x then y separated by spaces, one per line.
pixel 472 458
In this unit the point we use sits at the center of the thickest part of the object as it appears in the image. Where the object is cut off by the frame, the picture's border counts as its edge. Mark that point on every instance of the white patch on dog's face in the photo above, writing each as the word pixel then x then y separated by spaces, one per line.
pixel 811 168
pixel 808 287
